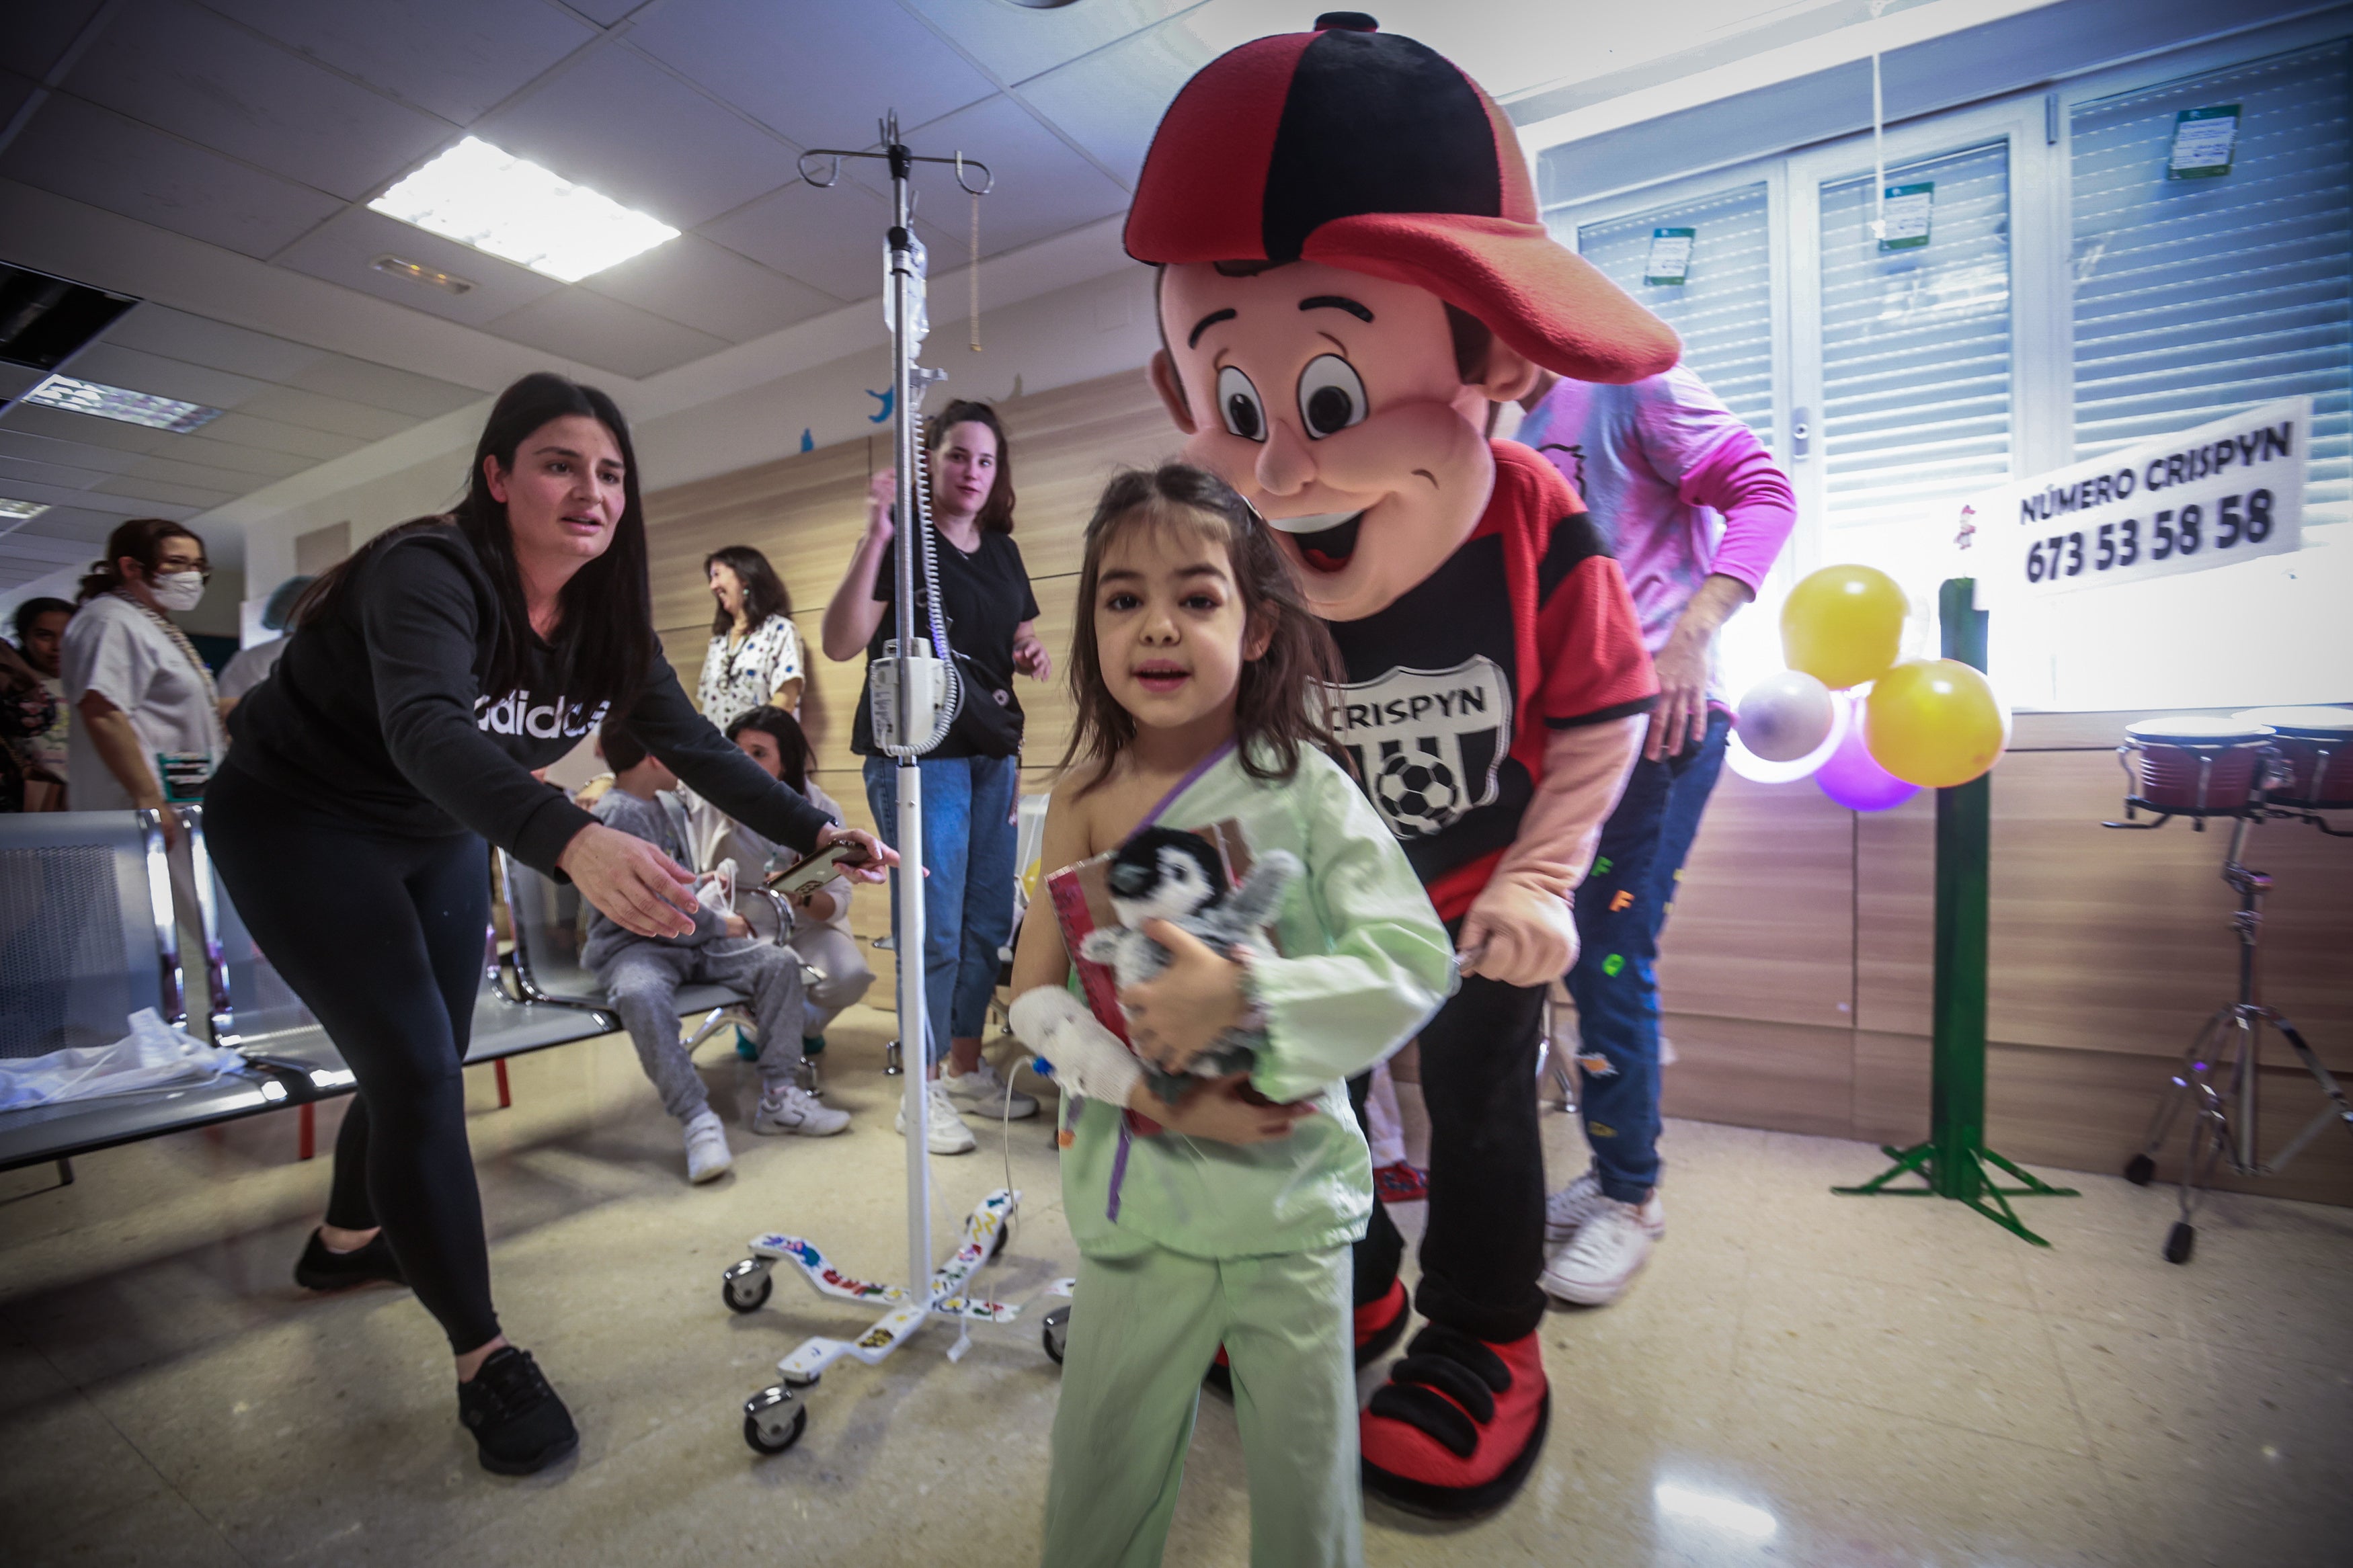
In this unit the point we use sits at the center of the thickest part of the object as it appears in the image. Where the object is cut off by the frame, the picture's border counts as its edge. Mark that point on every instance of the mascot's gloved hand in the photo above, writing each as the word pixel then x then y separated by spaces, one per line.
pixel 1523 917
pixel 1073 1048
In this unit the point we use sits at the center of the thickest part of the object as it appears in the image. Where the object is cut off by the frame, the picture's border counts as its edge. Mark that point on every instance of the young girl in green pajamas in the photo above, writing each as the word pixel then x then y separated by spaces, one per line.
pixel 1193 665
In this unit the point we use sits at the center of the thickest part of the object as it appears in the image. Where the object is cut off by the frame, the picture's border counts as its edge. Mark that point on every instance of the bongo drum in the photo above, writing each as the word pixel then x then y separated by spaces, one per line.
pixel 2315 754
pixel 2192 766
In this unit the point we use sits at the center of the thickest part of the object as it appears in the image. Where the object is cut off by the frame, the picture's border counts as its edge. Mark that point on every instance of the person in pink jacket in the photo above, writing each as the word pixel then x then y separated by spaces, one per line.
pixel 1695 511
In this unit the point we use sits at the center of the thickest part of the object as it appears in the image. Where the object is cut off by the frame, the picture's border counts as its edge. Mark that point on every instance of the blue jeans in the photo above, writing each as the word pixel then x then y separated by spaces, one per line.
pixel 1621 909
pixel 968 837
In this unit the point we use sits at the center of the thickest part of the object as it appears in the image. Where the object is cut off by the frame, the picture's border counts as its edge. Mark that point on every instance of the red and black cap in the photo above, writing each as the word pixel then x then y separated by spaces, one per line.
pixel 1369 151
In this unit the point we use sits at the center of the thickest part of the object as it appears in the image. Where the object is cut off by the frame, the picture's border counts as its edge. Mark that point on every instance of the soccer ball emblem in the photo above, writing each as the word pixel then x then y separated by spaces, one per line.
pixel 1418 793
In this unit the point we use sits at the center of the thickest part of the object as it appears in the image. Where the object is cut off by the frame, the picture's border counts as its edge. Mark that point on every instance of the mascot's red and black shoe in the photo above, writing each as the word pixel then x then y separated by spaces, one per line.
pixel 1379 1326
pixel 1459 1424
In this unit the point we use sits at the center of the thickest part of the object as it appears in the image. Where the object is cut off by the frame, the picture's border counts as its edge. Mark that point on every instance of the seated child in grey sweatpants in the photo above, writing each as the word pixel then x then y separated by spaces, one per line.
pixel 642 975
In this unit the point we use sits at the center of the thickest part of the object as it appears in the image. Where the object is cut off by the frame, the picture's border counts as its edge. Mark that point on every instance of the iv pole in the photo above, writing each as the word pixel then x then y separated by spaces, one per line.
pixel 914 696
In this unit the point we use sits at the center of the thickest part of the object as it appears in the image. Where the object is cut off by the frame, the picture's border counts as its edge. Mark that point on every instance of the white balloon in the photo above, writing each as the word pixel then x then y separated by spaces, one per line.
pixel 1786 717
pixel 1758 770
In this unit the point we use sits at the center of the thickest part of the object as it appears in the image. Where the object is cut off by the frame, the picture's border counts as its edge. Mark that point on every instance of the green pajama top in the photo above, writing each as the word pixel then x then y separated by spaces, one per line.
pixel 1366 963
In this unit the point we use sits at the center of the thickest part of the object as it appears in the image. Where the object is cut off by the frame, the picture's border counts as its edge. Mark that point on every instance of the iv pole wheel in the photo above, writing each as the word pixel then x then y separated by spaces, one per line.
pixel 745 1286
pixel 773 1420
pixel 2179 1240
pixel 1057 1334
pixel 2139 1170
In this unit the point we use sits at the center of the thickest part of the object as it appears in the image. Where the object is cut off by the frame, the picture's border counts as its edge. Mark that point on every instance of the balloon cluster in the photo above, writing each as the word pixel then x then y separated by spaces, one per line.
pixel 1923 723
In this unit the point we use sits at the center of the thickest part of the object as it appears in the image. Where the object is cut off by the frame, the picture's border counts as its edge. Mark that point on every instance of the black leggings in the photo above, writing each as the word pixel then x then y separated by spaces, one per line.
pixel 382 937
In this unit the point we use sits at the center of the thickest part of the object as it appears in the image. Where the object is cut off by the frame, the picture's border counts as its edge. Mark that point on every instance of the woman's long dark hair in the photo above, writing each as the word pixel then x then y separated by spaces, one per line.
pixel 764 592
pixel 1277 711
pixel 997 511
pixel 141 539
pixel 605 634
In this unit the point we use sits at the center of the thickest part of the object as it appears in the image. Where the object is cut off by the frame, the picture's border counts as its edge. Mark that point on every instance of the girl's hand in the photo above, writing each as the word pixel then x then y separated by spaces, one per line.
pixel 636 885
pixel 1179 1013
pixel 1216 1108
pixel 882 495
pixel 880 856
pixel 1030 657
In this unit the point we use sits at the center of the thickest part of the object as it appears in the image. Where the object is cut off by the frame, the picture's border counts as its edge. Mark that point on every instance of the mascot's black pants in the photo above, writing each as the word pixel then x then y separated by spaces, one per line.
pixel 1484 1244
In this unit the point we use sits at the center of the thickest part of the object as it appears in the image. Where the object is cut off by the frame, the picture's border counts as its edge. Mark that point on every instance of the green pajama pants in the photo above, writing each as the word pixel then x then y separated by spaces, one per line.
pixel 1143 1330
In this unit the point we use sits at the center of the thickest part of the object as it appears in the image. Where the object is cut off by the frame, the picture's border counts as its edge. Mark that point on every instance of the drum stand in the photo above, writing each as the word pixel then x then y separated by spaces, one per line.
pixel 2221 1072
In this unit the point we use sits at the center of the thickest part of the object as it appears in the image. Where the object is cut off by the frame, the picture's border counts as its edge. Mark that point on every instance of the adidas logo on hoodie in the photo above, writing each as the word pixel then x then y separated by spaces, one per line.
pixel 514 714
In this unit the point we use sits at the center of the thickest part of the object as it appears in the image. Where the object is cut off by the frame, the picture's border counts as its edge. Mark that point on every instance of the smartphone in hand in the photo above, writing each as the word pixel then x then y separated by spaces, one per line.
pixel 811 872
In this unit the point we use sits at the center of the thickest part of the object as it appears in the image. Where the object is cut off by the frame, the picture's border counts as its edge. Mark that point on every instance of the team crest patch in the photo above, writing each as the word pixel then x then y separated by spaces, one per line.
pixel 1428 742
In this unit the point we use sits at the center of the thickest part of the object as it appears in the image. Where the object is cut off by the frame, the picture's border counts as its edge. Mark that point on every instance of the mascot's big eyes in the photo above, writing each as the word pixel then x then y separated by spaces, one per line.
pixel 1239 405
pixel 1331 395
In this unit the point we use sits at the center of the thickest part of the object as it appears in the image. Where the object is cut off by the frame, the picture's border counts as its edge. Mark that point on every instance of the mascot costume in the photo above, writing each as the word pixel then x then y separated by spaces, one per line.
pixel 1353 275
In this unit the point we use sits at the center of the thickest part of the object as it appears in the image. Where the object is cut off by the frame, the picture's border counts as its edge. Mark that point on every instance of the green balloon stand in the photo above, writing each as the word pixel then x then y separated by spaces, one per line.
pixel 1955 1162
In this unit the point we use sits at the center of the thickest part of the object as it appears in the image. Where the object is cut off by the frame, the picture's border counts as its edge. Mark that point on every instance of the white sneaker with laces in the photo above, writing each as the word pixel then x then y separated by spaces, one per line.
pixel 944 1131
pixel 1608 1249
pixel 982 1090
pixel 789 1107
pixel 707 1154
pixel 1580 1200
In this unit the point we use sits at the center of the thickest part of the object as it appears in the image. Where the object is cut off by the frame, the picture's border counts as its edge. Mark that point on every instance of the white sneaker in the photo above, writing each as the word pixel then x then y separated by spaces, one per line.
pixel 1581 1200
pixel 982 1091
pixel 944 1131
pixel 707 1155
pixel 789 1107
pixel 1608 1249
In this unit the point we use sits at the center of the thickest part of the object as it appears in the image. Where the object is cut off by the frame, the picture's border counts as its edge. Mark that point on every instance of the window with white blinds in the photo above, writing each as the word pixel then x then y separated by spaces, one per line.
pixel 1915 350
pixel 2195 297
pixel 1723 308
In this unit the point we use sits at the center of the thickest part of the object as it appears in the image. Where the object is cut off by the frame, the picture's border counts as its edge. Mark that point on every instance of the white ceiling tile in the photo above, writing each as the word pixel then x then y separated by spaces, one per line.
pixel 621 125
pixel 16 378
pixel 1110 102
pixel 90 154
pixel 81 524
pixel 14 91
pixel 162 491
pixel 819 71
pixel 606 334
pixel 16 474
pixel 455 57
pixel 173 471
pixel 200 340
pixel 25 447
pixel 1042 187
pixel 1014 42
pixel 381 386
pixel 832 237
pixel 276 436
pixel 344 251
pixel 331 414
pixel 58 424
pixel 112 364
pixel 170 65
pixel 37 33
pixel 48 552
pixel 605 13
pixel 260 466
pixel 710 288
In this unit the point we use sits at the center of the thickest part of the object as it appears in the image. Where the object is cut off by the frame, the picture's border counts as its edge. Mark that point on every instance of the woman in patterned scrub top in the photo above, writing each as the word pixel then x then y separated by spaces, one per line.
pixel 755 652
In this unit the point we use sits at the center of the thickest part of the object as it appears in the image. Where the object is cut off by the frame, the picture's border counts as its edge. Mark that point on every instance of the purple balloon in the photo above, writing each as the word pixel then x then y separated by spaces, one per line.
pixel 1853 778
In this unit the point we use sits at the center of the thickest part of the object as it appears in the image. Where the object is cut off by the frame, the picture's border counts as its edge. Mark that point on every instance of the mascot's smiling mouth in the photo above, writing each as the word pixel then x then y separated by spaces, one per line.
pixel 1326 541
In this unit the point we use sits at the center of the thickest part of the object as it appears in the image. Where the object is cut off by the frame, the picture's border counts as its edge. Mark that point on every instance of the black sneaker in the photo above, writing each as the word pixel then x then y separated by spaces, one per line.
pixel 517 1420
pixel 320 1269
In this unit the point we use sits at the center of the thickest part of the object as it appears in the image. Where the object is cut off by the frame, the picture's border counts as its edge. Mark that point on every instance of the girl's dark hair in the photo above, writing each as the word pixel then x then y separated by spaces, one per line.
pixel 764 592
pixel 141 539
pixel 792 744
pixel 622 750
pixel 1276 708
pixel 997 511
pixel 605 634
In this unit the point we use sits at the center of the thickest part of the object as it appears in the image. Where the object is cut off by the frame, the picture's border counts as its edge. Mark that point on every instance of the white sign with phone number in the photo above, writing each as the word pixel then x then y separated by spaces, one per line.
pixel 2223 492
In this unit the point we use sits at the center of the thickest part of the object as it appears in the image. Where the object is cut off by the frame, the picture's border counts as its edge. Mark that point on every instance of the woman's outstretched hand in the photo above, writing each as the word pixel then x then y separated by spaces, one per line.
pixel 880 856
pixel 635 885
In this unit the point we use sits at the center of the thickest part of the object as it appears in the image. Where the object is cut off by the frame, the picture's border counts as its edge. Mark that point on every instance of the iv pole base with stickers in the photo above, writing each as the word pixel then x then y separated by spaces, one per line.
pixel 915 695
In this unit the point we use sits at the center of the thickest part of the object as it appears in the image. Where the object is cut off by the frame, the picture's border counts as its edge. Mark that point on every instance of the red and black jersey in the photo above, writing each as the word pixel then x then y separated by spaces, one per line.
pixel 1451 690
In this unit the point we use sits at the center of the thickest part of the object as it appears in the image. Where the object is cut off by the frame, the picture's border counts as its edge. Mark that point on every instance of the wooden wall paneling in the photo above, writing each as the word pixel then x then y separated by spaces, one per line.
pixel 1794 1077
pixel 1895 917
pixel 1764 918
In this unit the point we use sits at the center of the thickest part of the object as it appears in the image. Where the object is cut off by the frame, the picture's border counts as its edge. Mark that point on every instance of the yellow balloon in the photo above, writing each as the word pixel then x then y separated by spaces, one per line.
pixel 1029 879
pixel 1935 722
pixel 1842 624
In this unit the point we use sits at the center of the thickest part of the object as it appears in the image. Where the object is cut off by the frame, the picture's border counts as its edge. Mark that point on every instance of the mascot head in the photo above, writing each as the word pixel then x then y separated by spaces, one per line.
pixel 1353 274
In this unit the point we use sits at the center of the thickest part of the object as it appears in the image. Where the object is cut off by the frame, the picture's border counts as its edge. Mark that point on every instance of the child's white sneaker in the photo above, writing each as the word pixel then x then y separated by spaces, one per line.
pixel 1581 1200
pixel 983 1093
pixel 707 1155
pixel 944 1131
pixel 789 1107
pixel 1608 1249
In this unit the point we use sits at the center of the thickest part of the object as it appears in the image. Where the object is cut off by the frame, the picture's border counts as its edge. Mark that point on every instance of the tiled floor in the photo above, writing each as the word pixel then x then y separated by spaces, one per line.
pixel 1798 1378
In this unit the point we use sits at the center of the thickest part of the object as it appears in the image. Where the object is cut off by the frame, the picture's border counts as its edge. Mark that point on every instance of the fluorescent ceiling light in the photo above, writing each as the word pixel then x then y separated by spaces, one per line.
pixel 418 273
pixel 20 510
pixel 510 206
pixel 121 402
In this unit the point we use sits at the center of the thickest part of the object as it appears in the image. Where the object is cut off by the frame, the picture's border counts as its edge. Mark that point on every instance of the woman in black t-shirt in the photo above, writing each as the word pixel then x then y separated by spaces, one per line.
pixel 972 781
pixel 426 678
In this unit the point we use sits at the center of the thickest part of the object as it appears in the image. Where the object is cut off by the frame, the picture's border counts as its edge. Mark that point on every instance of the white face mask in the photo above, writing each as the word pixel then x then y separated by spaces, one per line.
pixel 179 590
